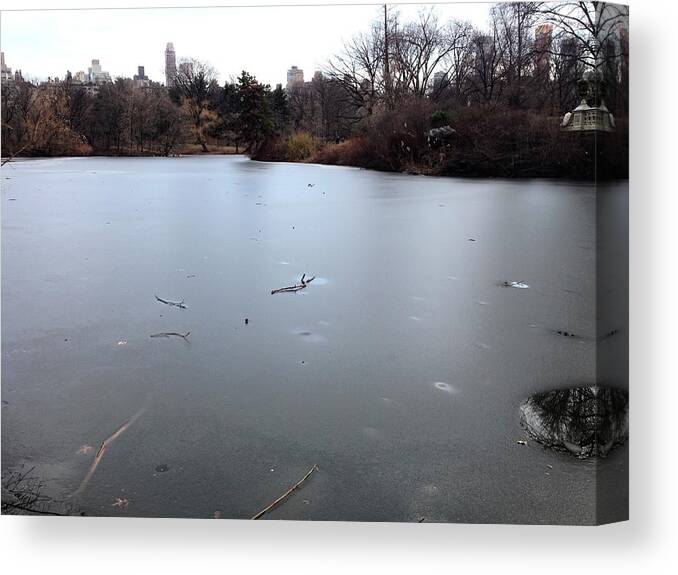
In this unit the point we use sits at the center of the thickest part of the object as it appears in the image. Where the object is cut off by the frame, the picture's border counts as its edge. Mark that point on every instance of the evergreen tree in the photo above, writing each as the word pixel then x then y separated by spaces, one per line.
pixel 280 107
pixel 256 122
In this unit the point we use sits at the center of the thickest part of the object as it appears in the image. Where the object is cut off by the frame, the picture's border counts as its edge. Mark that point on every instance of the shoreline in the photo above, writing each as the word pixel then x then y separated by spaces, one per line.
pixel 470 177
pixel 464 176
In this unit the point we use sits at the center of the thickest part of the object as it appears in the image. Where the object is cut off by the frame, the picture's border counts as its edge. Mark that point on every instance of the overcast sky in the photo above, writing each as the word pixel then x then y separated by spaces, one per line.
pixel 263 41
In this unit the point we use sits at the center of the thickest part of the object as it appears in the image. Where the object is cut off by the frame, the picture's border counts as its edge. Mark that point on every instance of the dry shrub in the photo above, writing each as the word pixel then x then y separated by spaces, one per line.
pixel 298 147
pixel 351 152
pixel 394 139
pixel 389 140
pixel 489 141
pixel 497 141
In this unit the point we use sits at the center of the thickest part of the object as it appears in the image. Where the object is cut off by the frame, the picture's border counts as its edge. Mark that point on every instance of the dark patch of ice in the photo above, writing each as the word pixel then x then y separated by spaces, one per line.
pixel 584 421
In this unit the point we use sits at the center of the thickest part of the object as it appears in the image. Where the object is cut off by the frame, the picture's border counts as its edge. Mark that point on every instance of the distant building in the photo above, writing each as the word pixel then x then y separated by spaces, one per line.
pixel 439 80
pixel 543 36
pixel 295 77
pixel 140 78
pixel 170 65
pixel 79 77
pixel 5 72
pixel 484 46
pixel 96 75
pixel 93 70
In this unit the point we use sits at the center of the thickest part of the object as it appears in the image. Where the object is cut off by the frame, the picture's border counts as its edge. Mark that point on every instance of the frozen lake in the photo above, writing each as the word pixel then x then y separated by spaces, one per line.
pixel 399 370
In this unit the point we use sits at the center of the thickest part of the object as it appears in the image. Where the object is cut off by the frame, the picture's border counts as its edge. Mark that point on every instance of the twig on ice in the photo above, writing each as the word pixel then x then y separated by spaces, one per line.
pixel 287 493
pixel 301 285
pixel 169 333
pixel 174 303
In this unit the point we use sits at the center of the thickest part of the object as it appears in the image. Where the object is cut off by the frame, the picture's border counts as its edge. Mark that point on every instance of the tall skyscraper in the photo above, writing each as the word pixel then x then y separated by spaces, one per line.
pixel 543 36
pixel 140 78
pixel 5 72
pixel 96 75
pixel 439 80
pixel 295 77
pixel 95 68
pixel 170 65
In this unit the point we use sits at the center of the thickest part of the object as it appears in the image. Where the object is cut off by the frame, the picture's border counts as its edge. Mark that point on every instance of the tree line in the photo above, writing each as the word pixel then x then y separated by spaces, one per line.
pixel 499 90
pixel 444 96
pixel 125 118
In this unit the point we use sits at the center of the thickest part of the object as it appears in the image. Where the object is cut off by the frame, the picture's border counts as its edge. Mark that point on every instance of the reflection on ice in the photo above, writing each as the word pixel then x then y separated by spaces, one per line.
pixel 586 421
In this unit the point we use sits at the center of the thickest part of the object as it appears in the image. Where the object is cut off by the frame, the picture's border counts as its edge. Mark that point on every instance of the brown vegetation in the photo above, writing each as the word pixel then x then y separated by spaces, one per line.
pixel 488 141
pixel 446 98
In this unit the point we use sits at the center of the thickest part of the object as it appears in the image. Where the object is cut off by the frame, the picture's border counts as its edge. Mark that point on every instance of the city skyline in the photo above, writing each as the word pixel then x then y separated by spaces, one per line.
pixel 40 43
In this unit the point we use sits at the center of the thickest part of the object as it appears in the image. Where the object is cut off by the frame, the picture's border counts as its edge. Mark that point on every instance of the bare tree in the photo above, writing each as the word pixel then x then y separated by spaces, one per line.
pixel 567 69
pixel 335 110
pixel 600 31
pixel 358 70
pixel 419 48
pixel 18 101
pixel 141 118
pixel 193 82
pixel 167 122
pixel 457 63
pixel 514 23
pixel 487 78
pixel 594 25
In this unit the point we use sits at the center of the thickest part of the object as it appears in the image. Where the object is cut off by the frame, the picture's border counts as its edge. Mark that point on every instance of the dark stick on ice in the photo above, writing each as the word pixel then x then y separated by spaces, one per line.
pixel 174 303
pixel 287 493
pixel 174 333
pixel 301 285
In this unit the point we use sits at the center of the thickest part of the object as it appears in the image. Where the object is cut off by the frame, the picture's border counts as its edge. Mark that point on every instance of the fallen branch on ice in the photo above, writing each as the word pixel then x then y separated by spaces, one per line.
pixel 174 333
pixel 287 493
pixel 301 285
pixel 174 303
pixel 104 446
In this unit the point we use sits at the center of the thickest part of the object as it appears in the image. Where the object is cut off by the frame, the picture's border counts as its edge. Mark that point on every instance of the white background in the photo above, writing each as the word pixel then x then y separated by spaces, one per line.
pixel 647 544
